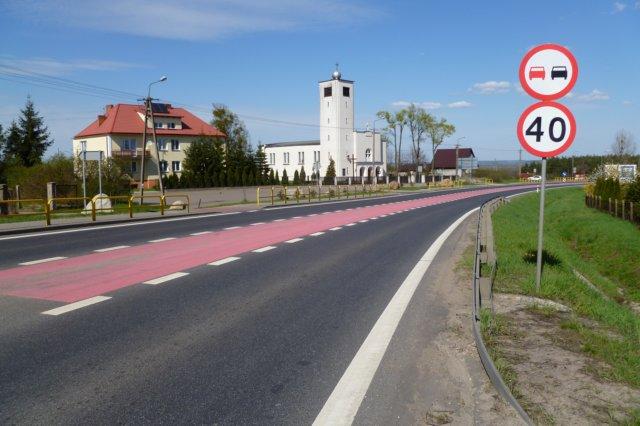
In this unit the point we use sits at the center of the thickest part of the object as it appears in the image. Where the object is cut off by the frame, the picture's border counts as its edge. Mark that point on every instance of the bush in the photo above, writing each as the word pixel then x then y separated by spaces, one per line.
pixel 633 191
pixel 499 175
pixel 608 188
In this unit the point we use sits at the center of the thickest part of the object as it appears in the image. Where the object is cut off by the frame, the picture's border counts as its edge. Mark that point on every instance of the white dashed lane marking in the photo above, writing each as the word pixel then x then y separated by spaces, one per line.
pixel 48 259
pixel 231 227
pixel 350 224
pixel 110 249
pixel 76 305
pixel 257 223
pixel 293 240
pixel 263 249
pixel 335 228
pixel 223 261
pixel 315 234
pixel 162 239
pixel 166 278
pixel 201 233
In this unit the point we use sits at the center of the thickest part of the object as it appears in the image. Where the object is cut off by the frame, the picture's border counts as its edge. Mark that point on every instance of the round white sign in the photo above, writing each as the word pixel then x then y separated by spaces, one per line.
pixel 548 72
pixel 546 129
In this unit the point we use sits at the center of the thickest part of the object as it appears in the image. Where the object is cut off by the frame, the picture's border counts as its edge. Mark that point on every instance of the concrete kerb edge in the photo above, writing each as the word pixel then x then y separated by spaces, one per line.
pixel 483 353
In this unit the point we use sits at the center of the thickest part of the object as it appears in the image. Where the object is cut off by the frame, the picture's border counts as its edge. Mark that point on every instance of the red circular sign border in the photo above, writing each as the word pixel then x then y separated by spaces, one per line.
pixel 564 147
pixel 563 92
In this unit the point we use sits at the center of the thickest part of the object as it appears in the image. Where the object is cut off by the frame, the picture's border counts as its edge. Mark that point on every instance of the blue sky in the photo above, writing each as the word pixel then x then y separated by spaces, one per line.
pixel 264 58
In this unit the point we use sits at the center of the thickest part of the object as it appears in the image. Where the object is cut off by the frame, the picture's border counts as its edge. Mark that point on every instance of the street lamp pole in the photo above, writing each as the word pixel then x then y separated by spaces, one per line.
pixel 458 146
pixel 147 109
pixel 373 151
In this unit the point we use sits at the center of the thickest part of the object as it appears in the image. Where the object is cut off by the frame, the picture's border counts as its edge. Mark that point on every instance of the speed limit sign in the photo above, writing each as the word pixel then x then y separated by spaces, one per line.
pixel 546 129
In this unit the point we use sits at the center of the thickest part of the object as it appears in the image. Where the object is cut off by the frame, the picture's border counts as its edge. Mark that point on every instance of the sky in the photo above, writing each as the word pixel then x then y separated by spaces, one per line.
pixel 263 59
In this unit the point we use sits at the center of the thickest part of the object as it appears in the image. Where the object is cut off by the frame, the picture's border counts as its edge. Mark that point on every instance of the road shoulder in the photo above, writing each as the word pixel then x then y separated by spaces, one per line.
pixel 431 372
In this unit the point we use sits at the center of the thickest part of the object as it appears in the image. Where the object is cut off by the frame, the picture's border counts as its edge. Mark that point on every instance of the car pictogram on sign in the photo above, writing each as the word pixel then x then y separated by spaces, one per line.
pixel 559 72
pixel 536 72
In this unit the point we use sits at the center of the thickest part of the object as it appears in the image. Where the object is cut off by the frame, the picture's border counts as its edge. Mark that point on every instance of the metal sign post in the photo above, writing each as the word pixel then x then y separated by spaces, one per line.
pixel 541 224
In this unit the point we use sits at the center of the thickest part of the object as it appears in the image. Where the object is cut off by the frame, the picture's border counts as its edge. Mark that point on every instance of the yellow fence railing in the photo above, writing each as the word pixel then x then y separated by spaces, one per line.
pixel 273 195
pixel 70 206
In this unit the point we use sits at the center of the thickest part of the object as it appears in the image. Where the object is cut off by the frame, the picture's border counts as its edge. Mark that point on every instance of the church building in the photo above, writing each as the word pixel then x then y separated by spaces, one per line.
pixel 356 153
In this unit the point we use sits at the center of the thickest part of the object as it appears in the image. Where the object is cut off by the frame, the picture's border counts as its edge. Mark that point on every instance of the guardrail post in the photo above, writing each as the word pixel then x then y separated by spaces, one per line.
pixel 130 207
pixel 4 196
pixel 162 205
pixel 284 189
pixel 93 210
pixel 47 213
pixel 258 196
pixel 272 200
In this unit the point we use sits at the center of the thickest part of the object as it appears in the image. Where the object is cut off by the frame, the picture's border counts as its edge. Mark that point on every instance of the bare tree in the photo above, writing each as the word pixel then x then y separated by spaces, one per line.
pixel 624 146
pixel 418 121
pixel 438 131
pixel 391 132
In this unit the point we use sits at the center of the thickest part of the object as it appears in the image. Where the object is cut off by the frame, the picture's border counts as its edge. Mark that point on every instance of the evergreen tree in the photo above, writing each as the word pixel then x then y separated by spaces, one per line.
pixel 272 178
pixel 261 164
pixel 303 175
pixel 245 178
pixel 222 178
pixel 29 138
pixel 2 163
pixel 277 179
pixel 285 178
pixel 331 173
pixel 237 178
pixel 296 178
pixel 203 161
pixel 251 178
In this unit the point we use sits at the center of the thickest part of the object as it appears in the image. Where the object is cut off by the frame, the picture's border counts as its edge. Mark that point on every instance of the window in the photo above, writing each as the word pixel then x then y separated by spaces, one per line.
pixel 171 125
pixel 327 104
pixel 346 121
pixel 272 158
pixel 316 156
pixel 175 145
pixel 300 157
pixel 346 137
pixel 345 92
pixel 162 144
pixel 128 144
pixel 328 121
pixel 175 166
pixel 134 167
pixel 367 154
pixel 285 158
pixel 163 166
pixel 344 172
pixel 158 124
pixel 327 91
pixel 328 137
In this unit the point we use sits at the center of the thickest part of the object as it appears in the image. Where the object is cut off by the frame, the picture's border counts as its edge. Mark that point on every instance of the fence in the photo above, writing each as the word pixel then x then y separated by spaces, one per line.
pixel 306 194
pixel 623 209
pixel 484 273
pixel 69 207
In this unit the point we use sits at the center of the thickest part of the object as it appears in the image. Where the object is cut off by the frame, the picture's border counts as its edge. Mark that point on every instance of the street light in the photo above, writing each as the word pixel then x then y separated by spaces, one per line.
pixel 457 146
pixel 148 109
pixel 373 153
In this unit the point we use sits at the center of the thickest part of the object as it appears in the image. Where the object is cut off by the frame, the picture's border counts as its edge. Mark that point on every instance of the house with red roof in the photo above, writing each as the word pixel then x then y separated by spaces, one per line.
pixel 118 134
pixel 450 162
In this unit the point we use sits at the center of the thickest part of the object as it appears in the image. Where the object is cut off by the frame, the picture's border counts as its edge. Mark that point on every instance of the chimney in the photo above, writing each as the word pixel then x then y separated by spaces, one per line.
pixel 101 119
pixel 107 108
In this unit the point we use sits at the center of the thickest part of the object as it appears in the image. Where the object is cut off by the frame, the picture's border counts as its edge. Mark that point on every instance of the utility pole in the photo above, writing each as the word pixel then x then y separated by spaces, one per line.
pixel 155 143
pixel 519 163
pixel 457 147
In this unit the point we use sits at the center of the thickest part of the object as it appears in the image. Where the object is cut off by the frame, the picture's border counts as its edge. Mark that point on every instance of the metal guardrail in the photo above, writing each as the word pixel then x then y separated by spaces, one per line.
pixel 484 272
pixel 306 194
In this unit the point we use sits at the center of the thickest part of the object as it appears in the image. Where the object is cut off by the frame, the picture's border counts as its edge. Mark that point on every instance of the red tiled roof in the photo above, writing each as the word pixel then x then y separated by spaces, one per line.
pixel 124 119
pixel 446 158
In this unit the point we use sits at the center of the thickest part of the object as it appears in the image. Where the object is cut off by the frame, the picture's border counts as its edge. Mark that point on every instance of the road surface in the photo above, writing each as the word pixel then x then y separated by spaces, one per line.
pixel 247 318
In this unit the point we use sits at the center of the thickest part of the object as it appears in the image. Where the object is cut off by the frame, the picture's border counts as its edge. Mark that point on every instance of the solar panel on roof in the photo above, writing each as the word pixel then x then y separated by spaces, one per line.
pixel 160 108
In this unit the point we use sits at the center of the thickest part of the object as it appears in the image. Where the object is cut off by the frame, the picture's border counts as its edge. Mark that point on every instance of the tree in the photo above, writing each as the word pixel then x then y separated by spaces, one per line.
pixel 204 159
pixel 277 179
pixel 330 175
pixel 262 172
pixel 285 177
pixel 624 146
pixel 296 178
pixel 2 164
pixel 438 131
pixel 303 175
pixel 395 127
pixel 272 178
pixel 29 138
pixel 419 121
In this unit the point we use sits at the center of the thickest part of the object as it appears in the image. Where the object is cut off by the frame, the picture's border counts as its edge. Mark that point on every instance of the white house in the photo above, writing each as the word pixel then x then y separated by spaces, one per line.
pixel 354 151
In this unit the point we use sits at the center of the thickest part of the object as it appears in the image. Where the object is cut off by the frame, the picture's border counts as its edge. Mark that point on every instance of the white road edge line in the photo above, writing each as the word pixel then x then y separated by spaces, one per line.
pixel 200 233
pixel 346 398
pixel 160 240
pixel 223 261
pixel 75 305
pixel 263 249
pixel 229 228
pixel 257 223
pixel 350 224
pixel 279 220
pixel 315 234
pixel 111 249
pixel 48 259
pixel 336 228
pixel 166 278
pixel 293 240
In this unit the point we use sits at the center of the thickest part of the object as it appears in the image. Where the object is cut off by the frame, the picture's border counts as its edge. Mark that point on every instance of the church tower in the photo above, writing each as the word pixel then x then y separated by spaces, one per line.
pixel 336 123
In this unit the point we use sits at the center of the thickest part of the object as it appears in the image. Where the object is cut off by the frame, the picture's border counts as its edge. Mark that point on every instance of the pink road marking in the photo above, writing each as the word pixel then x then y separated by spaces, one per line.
pixel 93 274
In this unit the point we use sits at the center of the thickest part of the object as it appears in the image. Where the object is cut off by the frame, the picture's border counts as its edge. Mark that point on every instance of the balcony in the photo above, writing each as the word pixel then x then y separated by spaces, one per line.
pixel 130 153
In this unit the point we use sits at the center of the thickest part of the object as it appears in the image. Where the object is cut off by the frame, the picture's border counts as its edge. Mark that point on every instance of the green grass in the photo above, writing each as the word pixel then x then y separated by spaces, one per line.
pixel 604 249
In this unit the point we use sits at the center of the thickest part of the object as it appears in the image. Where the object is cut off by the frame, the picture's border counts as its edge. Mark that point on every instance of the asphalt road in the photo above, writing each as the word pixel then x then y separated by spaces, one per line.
pixel 263 339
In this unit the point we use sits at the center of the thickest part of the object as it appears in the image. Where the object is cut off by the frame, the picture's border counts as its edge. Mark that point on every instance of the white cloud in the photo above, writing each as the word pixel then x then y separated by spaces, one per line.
pixel 400 104
pixel 491 87
pixel 570 95
pixel 193 19
pixel 430 105
pixel 460 104
pixel 55 67
pixel 637 6
pixel 594 95
pixel 627 103
pixel 619 7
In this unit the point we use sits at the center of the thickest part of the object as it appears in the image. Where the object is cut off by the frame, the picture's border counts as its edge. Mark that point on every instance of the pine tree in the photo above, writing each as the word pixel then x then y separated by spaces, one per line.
pixel 237 179
pixel 245 178
pixel 296 178
pixel 29 138
pixel 277 180
pixel 272 178
pixel 331 173
pixel 222 178
pixel 285 177
pixel 303 175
